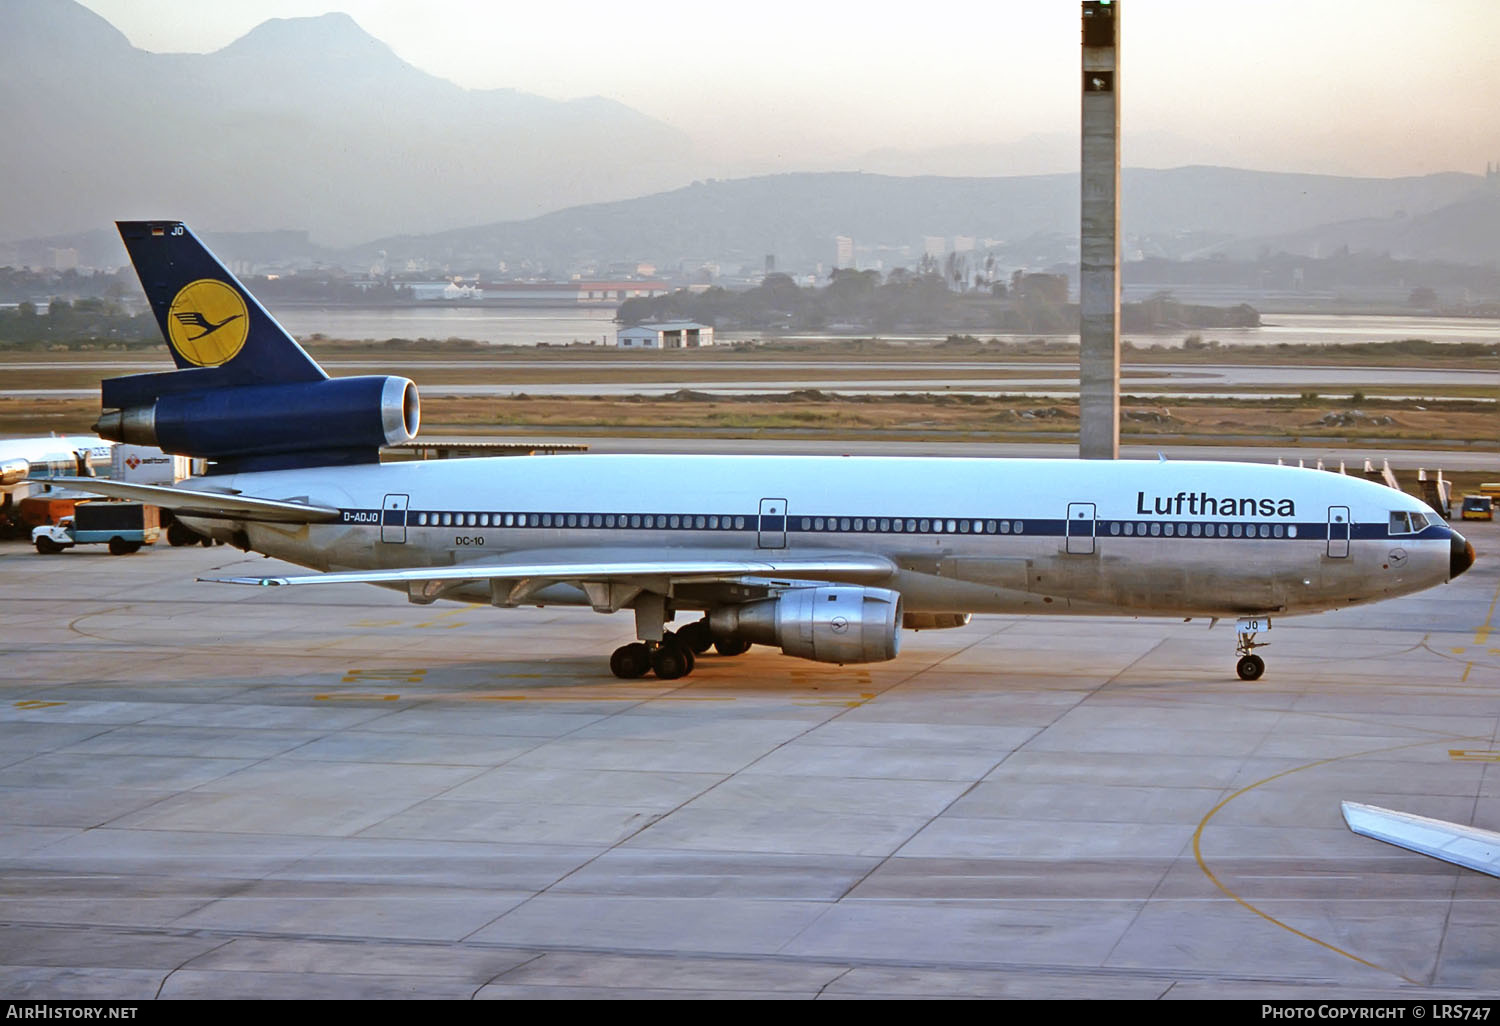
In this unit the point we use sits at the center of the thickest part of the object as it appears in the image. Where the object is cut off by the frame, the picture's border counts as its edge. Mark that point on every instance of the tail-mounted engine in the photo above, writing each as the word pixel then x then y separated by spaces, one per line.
pixel 830 624
pixel 255 427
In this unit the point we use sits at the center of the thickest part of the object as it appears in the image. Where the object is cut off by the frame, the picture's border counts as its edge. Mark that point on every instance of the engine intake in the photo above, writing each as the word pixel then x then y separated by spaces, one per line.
pixel 347 415
pixel 829 624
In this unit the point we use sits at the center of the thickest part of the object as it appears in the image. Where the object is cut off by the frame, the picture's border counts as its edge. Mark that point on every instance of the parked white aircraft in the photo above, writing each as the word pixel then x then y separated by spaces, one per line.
pixel 23 459
pixel 825 557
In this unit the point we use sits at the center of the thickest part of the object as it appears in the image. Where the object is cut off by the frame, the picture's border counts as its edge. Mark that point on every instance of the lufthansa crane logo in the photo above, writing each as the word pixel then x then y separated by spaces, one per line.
pixel 207 323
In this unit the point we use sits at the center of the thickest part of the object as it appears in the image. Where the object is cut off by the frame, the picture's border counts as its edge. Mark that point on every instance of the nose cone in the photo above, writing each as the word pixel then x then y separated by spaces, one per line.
pixel 1460 555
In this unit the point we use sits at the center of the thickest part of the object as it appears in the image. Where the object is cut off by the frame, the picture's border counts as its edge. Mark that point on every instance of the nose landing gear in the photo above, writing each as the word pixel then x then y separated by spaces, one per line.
pixel 1250 666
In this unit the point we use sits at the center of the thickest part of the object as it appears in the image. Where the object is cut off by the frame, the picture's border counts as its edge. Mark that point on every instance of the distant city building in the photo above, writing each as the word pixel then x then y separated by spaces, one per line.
pixel 934 245
pixel 64 259
pixel 963 243
pixel 669 335
pixel 843 251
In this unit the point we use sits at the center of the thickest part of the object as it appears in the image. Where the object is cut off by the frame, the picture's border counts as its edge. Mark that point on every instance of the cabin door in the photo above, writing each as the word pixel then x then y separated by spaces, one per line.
pixel 393 519
pixel 1338 531
pixel 1080 528
pixel 772 524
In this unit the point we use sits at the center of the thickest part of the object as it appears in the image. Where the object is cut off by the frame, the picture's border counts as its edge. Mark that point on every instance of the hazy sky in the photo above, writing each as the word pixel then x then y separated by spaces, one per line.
pixel 1376 87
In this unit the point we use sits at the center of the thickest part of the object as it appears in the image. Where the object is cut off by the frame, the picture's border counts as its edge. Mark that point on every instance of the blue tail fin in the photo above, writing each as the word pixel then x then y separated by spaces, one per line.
pixel 245 395
pixel 207 317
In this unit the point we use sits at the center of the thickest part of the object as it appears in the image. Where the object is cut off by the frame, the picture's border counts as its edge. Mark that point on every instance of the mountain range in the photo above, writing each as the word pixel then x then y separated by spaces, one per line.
pixel 312 124
pixel 308 123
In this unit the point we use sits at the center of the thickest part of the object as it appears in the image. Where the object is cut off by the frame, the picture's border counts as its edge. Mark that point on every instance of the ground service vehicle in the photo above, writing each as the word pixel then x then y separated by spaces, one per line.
pixel 1478 507
pixel 123 526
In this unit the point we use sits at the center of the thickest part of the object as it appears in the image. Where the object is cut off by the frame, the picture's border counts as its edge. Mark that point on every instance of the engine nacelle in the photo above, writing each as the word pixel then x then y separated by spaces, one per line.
pixel 933 621
pixel 331 415
pixel 13 472
pixel 829 624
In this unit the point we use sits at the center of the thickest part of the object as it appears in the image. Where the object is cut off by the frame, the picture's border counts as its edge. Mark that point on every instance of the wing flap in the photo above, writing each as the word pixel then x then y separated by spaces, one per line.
pixel 209 505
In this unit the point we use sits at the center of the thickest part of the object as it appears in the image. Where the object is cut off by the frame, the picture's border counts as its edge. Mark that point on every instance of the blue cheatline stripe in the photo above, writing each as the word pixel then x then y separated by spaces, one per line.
pixel 840 524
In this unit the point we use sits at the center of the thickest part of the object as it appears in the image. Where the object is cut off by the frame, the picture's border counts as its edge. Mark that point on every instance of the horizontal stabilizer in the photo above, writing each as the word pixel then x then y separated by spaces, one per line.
pixel 1457 843
pixel 208 505
pixel 836 568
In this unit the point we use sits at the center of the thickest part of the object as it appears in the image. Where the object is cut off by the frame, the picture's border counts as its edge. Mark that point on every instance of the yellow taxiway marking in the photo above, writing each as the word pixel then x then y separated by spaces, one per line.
pixel 441 619
pixel 1465 676
pixel 408 676
pixel 37 703
pixel 1473 755
pixel 1483 633
pixel 355 696
pixel 1203 865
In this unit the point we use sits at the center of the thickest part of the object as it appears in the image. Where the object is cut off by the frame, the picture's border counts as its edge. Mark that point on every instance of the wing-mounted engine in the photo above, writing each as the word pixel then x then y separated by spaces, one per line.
pixel 829 624
pixel 257 427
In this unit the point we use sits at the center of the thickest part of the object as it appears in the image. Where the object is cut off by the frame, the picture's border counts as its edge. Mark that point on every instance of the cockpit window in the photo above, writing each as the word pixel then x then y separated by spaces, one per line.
pixel 1403 522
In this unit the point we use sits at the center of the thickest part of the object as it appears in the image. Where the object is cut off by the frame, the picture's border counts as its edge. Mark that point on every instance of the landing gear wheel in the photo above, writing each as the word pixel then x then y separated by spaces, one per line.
pixel 630 661
pixel 697 637
pixel 671 661
pixel 731 646
pixel 1250 667
pixel 178 535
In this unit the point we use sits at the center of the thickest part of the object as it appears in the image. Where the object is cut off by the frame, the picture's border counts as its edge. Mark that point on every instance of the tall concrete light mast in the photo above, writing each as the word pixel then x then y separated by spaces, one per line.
pixel 1099 234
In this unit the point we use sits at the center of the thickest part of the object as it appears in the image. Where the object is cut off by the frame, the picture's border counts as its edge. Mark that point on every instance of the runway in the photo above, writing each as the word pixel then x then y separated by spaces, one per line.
pixel 329 793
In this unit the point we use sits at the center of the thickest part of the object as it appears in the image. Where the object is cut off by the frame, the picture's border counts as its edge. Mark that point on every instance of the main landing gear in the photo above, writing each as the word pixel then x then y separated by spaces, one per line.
pixel 674 655
pixel 1250 666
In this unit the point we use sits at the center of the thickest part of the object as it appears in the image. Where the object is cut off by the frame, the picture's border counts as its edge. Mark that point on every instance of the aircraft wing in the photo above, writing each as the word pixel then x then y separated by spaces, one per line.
pixel 577 565
pixel 206 504
pixel 1467 846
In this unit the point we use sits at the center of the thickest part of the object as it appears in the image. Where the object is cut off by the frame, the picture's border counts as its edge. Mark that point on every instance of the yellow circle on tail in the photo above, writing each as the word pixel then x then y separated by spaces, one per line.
pixel 207 323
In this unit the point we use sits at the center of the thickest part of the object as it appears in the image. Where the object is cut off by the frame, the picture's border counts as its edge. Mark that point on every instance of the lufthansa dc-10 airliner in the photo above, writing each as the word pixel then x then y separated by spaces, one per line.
pixel 826 558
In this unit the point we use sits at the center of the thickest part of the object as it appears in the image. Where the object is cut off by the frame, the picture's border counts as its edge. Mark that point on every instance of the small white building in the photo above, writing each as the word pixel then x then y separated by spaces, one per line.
pixel 671 335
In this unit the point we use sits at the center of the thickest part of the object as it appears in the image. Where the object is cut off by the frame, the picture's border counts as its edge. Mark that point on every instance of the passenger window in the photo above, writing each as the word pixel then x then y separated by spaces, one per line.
pixel 1020 526
pixel 990 527
pixel 1114 527
pixel 843 523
